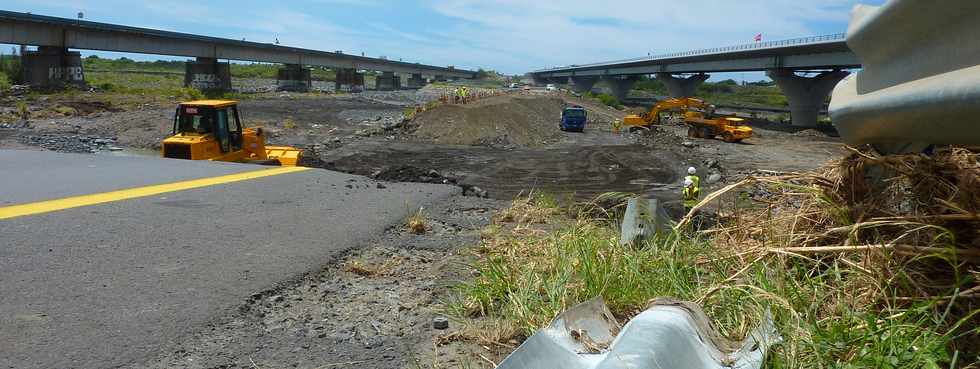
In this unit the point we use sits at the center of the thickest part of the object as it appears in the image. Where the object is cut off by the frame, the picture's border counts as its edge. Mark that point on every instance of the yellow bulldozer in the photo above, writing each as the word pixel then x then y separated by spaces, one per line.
pixel 637 121
pixel 212 130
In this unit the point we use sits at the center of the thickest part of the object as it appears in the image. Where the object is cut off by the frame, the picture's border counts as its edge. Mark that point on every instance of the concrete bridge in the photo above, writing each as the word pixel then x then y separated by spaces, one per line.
pixel 828 56
pixel 53 63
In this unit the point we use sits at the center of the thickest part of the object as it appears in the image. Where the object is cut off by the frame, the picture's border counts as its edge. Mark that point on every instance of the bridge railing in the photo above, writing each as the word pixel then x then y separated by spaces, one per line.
pixel 715 50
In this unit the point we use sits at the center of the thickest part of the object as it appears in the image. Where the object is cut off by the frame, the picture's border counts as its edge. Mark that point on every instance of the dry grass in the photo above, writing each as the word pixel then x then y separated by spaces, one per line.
pixel 417 223
pixel 871 261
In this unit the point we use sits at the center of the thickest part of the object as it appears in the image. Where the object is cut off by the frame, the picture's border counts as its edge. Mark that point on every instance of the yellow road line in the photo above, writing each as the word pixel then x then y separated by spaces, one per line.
pixel 132 193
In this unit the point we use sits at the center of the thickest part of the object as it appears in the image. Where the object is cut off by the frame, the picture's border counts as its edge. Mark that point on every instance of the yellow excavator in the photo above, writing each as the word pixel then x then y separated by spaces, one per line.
pixel 634 121
pixel 698 116
pixel 212 130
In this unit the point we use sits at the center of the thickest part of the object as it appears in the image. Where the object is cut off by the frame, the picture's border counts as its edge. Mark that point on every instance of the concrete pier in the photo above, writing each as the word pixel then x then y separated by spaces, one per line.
pixel 349 80
pixel 583 84
pixel 294 77
pixel 621 86
pixel 207 74
pixel 679 87
pixel 53 67
pixel 805 95
pixel 387 81
pixel 416 81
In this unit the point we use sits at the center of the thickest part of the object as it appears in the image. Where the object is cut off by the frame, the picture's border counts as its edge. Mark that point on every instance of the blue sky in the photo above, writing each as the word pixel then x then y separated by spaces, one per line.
pixel 510 36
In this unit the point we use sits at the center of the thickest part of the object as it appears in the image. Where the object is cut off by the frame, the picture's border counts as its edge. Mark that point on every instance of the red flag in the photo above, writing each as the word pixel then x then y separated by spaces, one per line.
pixel 758 37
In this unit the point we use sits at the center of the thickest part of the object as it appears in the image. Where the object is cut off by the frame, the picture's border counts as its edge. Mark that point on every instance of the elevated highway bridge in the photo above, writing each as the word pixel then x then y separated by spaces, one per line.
pixel 53 63
pixel 682 72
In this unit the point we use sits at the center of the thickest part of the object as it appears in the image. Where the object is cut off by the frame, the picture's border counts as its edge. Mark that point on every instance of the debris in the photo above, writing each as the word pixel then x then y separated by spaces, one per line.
pixel 669 334
pixel 440 322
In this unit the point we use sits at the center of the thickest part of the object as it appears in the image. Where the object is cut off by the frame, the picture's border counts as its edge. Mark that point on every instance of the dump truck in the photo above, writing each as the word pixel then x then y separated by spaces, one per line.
pixel 729 128
pixel 212 130
pixel 637 121
pixel 573 118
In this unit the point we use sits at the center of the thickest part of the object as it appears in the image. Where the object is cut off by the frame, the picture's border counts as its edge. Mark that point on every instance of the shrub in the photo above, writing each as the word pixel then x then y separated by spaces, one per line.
pixel 610 100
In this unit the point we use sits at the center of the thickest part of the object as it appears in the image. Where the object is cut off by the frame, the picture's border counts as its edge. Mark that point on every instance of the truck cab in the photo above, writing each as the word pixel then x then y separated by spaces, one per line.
pixel 573 118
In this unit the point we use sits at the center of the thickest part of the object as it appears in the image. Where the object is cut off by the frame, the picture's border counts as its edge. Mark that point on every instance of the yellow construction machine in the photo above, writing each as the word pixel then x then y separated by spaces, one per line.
pixel 729 128
pixel 634 121
pixel 212 130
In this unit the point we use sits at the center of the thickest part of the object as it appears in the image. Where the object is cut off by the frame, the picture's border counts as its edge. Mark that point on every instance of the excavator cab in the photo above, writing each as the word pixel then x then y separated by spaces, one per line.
pixel 212 130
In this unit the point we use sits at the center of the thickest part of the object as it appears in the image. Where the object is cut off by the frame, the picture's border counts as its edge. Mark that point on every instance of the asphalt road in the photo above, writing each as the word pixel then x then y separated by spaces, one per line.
pixel 115 283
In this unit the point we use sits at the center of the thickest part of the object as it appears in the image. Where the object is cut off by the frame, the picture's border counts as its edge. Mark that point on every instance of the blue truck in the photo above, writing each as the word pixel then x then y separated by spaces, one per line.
pixel 573 118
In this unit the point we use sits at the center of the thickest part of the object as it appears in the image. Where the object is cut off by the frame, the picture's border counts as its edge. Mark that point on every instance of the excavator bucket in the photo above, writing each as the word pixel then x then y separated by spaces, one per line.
pixel 287 156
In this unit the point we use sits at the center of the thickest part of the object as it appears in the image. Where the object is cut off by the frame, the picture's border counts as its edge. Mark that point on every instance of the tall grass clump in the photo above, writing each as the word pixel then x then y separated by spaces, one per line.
pixel 871 261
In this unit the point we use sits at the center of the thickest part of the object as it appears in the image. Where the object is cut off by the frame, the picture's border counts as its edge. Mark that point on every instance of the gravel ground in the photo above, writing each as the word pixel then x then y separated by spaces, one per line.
pixel 375 309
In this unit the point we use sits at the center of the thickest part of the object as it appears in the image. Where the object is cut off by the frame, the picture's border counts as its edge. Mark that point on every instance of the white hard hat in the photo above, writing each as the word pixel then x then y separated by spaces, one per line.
pixel 688 182
pixel 691 170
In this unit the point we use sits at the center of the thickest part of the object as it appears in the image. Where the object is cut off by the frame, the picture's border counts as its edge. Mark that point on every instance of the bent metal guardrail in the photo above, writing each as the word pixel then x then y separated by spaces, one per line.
pixel 715 50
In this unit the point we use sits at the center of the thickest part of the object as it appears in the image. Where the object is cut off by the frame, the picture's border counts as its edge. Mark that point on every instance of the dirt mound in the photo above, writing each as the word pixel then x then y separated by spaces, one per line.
pixel 527 121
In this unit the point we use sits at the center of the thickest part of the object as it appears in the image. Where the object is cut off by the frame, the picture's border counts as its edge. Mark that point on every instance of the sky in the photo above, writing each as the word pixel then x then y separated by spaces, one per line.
pixel 508 36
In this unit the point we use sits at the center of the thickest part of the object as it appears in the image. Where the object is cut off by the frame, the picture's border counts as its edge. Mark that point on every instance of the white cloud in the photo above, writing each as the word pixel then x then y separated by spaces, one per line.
pixel 546 33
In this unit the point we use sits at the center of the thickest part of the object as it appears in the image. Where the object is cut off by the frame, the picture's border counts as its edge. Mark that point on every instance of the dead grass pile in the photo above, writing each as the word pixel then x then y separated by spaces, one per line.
pixel 908 224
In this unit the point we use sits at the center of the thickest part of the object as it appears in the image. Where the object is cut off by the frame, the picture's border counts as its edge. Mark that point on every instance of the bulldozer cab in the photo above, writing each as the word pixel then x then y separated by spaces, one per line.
pixel 218 118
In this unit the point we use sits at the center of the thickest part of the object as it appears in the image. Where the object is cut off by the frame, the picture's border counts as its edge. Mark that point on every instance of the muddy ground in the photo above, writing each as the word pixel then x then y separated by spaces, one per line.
pixel 374 307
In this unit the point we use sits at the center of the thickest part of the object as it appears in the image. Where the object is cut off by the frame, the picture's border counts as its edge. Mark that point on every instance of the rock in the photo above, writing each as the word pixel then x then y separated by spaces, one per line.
pixel 115 148
pixel 711 163
pixel 440 322
pixel 714 177
pixel 381 186
pixel 474 191
pixel 688 144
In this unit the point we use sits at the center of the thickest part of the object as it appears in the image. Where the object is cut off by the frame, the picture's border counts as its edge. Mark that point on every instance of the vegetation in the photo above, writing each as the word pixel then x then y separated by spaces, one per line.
pixel 607 99
pixel 417 222
pixel 10 70
pixel 900 294
pixel 727 92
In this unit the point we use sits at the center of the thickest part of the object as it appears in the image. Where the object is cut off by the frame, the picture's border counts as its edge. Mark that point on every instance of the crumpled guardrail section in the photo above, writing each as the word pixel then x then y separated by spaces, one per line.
pixel 920 82
pixel 669 334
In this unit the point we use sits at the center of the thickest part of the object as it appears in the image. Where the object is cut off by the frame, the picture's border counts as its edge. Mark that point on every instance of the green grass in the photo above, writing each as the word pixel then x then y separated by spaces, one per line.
pixel 525 278
pixel 606 99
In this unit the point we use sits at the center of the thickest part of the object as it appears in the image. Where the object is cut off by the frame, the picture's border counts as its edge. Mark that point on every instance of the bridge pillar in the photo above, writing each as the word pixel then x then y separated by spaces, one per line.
pixel 387 81
pixel 682 87
pixel 621 86
pixel 207 74
pixel 805 95
pixel 583 84
pixel 347 79
pixel 294 77
pixel 416 81
pixel 53 67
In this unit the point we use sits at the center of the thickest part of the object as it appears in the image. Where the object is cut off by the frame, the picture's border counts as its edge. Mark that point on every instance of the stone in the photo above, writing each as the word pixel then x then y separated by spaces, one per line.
pixel 688 144
pixel 440 322
pixel 714 177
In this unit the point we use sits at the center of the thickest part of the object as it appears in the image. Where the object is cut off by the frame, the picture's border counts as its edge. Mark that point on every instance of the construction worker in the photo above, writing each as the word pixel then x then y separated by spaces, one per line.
pixel 456 95
pixel 692 175
pixel 466 94
pixel 691 195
